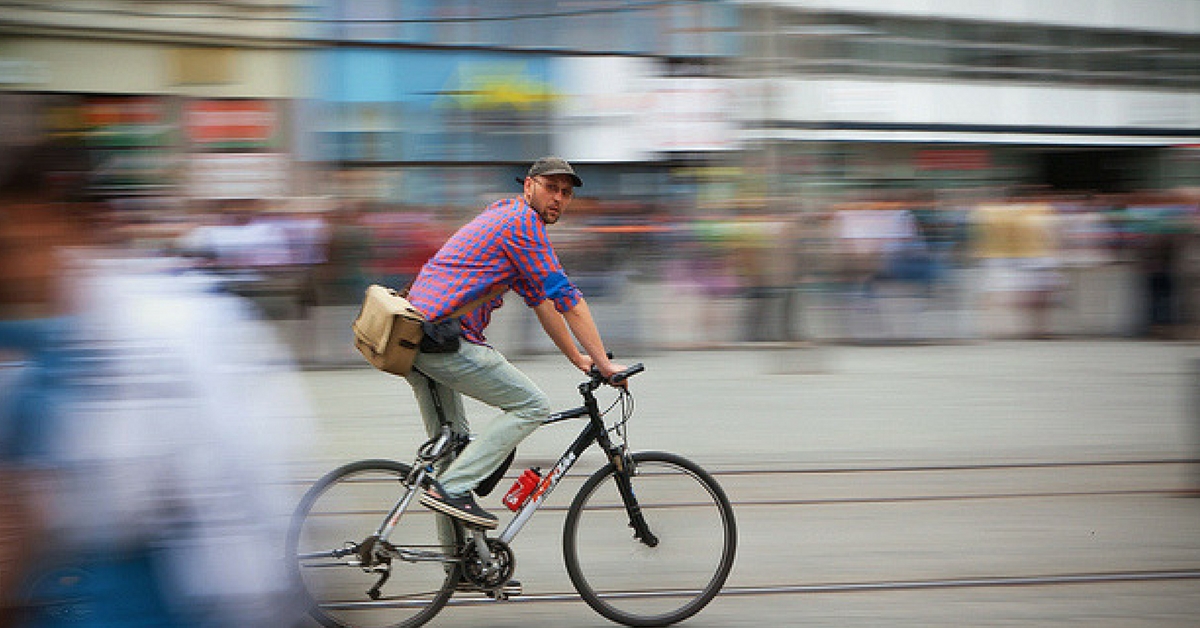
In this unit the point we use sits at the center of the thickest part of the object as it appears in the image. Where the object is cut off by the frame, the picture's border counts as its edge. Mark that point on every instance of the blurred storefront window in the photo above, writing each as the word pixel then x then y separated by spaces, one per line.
pixel 855 43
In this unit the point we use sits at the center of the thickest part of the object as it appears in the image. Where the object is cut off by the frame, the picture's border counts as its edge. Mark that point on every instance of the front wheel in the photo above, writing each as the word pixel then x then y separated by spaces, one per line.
pixel 346 576
pixel 679 567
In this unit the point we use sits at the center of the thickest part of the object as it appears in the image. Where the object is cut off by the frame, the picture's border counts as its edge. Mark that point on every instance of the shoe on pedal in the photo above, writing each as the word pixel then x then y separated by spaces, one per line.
pixel 462 508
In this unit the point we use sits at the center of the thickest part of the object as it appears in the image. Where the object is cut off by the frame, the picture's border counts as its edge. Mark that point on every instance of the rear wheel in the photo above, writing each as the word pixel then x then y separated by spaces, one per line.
pixel 349 578
pixel 671 575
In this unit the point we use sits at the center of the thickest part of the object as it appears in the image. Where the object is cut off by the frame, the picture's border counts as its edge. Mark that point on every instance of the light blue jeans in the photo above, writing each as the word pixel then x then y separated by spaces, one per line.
pixel 481 373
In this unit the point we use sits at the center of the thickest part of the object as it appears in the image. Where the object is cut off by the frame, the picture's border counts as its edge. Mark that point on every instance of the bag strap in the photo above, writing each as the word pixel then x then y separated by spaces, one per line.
pixel 470 307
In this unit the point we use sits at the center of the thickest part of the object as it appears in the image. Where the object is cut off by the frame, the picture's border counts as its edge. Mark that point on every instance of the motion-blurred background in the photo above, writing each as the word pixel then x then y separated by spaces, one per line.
pixel 195 194
pixel 875 170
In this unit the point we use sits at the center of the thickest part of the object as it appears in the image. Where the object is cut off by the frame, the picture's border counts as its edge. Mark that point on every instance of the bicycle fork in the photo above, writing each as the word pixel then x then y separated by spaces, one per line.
pixel 624 469
pixel 641 529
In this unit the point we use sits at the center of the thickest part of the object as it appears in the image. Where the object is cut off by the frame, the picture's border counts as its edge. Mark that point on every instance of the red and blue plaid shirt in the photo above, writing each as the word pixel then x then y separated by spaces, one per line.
pixel 504 247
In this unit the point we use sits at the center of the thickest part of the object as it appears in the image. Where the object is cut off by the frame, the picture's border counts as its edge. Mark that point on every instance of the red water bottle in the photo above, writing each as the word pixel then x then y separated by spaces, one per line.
pixel 522 489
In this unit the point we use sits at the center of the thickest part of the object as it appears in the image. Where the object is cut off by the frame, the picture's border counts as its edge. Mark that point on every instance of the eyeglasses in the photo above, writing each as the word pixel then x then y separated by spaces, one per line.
pixel 555 189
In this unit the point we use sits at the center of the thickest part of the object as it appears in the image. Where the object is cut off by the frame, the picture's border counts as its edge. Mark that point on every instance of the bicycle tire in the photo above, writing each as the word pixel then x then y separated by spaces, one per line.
pixel 631 583
pixel 346 507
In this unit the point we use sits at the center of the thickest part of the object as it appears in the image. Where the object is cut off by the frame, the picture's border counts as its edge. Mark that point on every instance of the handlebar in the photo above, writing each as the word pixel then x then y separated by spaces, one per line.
pixel 587 388
pixel 617 378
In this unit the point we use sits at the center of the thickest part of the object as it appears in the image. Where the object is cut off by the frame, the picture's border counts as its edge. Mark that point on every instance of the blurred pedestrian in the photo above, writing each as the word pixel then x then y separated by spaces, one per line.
pixel 1041 281
pixel 148 433
pixel 32 325
pixel 342 278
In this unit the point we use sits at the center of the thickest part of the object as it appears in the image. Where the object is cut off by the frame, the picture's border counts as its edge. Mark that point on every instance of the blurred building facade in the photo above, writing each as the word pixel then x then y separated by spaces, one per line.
pixel 173 99
pixel 980 169
pixel 746 160
pixel 440 103
pixel 1070 95
pixel 224 99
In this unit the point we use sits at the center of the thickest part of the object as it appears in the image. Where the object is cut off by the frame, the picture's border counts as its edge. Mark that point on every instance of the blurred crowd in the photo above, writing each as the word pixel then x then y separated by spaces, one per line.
pixel 1012 265
pixel 1030 253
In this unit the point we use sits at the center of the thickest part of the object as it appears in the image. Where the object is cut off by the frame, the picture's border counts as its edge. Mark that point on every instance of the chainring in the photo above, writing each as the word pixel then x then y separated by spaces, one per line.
pixel 476 571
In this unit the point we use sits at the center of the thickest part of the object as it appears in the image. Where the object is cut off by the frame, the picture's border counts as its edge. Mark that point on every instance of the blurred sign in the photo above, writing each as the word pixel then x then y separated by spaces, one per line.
pixel 599 117
pixel 497 85
pixel 625 109
pixel 691 114
pixel 120 122
pixel 238 175
pixel 129 139
pixel 240 123
pixel 956 159
pixel 114 112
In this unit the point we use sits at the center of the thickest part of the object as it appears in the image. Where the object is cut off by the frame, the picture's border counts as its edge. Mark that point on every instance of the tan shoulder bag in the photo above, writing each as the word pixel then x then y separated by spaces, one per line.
pixel 388 329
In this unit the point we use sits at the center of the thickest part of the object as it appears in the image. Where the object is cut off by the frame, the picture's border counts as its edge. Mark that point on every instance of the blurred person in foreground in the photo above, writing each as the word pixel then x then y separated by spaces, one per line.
pixel 504 248
pixel 145 433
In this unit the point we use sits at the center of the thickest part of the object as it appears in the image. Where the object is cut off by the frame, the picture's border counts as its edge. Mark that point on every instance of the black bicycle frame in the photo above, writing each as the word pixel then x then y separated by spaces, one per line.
pixel 593 432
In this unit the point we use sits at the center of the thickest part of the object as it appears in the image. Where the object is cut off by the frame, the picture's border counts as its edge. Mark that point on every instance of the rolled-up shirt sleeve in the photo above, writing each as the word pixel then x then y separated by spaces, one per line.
pixel 540 274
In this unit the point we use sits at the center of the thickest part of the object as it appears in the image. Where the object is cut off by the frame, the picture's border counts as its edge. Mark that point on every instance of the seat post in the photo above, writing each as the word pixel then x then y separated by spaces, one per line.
pixel 447 440
pixel 437 401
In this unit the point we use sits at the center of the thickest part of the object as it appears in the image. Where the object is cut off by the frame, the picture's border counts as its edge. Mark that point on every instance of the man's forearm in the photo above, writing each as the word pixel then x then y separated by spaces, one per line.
pixel 556 328
pixel 583 326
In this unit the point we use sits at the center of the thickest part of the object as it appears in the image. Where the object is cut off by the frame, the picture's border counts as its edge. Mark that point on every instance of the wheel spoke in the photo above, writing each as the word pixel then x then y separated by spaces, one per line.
pixel 408 578
pixel 689 560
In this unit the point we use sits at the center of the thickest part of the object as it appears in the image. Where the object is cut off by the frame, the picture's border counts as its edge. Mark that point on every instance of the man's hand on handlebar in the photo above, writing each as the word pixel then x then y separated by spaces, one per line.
pixel 618 379
pixel 613 369
pixel 586 364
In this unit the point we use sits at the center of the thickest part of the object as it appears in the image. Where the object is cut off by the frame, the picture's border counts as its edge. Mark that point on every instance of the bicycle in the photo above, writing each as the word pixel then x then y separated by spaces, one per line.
pixel 363 559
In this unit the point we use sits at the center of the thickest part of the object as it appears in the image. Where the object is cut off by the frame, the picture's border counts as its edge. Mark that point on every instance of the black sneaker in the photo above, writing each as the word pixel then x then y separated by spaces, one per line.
pixel 462 508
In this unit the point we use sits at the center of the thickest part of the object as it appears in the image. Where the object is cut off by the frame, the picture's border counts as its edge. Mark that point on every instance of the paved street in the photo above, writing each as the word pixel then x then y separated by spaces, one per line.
pixel 1000 483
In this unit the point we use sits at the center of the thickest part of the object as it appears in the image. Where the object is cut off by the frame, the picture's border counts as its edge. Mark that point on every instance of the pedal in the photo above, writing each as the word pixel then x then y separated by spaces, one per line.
pixel 510 589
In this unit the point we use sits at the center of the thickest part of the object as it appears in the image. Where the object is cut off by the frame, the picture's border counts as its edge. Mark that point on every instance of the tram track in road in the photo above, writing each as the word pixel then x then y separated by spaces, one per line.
pixel 766 496
pixel 864 492
pixel 1160 477
pixel 874 586
pixel 961 482
pixel 991 466
pixel 954 483
pixel 850 470
pixel 947 498
pixel 736 503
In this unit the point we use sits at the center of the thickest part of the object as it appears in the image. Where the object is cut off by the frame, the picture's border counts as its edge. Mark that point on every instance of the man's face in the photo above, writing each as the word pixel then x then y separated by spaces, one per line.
pixel 549 195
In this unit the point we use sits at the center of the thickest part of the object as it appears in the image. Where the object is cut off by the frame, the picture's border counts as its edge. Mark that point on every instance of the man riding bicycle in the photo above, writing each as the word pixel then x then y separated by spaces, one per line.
pixel 505 247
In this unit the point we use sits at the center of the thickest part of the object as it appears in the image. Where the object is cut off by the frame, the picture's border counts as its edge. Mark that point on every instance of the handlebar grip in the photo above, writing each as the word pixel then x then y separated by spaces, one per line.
pixel 595 372
pixel 617 378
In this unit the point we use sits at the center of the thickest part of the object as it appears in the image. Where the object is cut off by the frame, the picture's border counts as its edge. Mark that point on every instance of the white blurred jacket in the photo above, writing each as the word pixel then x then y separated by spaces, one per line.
pixel 184 413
